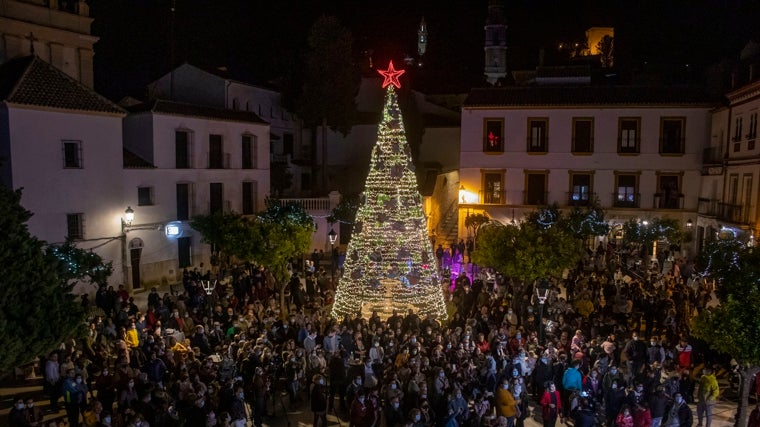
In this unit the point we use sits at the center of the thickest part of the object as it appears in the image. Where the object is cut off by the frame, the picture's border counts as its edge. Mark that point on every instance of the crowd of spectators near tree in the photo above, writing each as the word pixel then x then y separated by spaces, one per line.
pixel 602 349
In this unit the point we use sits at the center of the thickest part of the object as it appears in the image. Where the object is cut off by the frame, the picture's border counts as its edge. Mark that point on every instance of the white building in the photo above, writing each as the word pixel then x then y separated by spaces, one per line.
pixel 637 150
pixel 185 160
pixel 289 144
pixel 61 143
pixel 729 198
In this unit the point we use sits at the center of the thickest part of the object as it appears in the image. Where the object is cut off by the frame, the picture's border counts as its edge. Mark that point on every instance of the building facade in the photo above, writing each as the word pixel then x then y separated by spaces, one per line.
pixel 57 31
pixel 636 150
pixel 186 160
pixel 731 173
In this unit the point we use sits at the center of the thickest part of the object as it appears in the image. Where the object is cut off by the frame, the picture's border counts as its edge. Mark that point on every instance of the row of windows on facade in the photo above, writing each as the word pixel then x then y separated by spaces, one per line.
pixel 184 159
pixel 672 133
pixel 750 136
pixel 580 191
pixel 185 207
pixel 273 113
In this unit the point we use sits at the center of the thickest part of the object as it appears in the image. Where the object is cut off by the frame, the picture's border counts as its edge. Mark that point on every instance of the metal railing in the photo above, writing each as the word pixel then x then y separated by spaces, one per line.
pixel 707 207
pixel 575 198
pixel 664 201
pixel 309 204
pixel 626 200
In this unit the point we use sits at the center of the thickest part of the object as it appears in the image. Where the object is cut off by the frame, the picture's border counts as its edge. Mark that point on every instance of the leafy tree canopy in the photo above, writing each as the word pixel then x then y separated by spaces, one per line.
pixel 533 249
pixel 332 78
pixel 37 308
pixel 733 327
pixel 345 211
pixel 475 221
pixel 271 238
pixel 656 229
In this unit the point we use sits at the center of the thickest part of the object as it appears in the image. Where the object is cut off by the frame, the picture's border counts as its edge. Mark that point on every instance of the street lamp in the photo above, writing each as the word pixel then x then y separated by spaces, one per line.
pixel 689 224
pixel 333 236
pixel 129 216
pixel 542 293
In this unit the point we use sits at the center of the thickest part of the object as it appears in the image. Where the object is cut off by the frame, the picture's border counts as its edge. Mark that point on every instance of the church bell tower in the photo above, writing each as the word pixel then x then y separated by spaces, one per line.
pixel 495 42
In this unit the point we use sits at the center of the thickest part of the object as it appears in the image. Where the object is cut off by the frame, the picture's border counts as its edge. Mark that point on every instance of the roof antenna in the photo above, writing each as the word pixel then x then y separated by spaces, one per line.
pixel 171 50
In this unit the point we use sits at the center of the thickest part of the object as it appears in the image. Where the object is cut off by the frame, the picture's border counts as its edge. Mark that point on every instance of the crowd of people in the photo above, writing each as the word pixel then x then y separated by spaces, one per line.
pixel 598 347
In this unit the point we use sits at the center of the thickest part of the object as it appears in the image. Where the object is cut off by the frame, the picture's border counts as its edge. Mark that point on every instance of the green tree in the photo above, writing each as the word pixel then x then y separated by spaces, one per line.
pixel 474 222
pixel 37 308
pixel 733 327
pixel 281 178
pixel 330 83
pixel 667 230
pixel 532 249
pixel 270 238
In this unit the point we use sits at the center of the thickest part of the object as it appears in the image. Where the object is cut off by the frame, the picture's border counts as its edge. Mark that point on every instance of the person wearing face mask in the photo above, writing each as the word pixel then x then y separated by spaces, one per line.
pixel 16 416
pixel 521 400
pixel 614 400
pixel 318 398
pixel 394 413
pixel 551 406
pixel 679 414
pixel 32 413
pixel 361 414
pixel 72 397
pixel 458 407
pixel 237 407
pixel 505 402
pixel 613 374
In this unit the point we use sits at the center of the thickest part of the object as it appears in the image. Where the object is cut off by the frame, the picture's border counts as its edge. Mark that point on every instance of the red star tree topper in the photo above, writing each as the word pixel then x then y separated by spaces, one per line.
pixel 391 76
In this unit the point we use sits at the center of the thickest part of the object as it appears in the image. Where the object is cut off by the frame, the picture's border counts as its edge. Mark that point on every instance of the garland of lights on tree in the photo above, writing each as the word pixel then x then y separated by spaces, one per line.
pixel 389 261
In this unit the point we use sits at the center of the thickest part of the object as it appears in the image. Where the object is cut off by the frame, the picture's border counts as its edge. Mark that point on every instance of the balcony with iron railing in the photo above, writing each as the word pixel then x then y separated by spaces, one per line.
pixel 667 201
pixel 309 204
pixel 493 197
pixel 576 198
pixel 733 213
pixel 535 198
pixel 626 200
pixel 708 207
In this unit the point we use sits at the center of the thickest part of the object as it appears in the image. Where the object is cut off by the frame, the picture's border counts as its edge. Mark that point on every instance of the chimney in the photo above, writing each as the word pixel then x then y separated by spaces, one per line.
pixel 751 72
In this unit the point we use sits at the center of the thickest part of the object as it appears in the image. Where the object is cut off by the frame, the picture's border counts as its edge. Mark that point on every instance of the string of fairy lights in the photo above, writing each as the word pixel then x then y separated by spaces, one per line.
pixel 390 263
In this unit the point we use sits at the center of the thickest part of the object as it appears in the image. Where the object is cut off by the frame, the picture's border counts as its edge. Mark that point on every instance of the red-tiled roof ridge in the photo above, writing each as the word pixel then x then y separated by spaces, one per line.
pixel 29 80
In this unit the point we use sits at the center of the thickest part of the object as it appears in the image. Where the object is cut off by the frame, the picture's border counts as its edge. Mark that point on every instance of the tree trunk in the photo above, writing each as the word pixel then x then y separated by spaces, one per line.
pixel 746 383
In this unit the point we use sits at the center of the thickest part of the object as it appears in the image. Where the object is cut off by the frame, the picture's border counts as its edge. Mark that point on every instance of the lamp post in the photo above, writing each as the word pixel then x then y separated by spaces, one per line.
pixel 127 225
pixel 542 293
pixel 332 235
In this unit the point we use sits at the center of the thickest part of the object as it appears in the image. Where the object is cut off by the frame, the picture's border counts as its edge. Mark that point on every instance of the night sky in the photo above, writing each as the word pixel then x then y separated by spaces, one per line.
pixel 257 40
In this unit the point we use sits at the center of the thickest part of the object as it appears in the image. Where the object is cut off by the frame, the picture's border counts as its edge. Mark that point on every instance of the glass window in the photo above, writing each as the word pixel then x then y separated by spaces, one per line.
pixel 537 135
pixel 580 189
pixel 182 149
pixel 215 152
pixel 249 151
pixel 669 192
pixel 493 192
pixel 493 138
pixel 583 135
pixel 72 154
pixel 249 197
pixel 672 136
pixel 535 192
pixel 628 135
pixel 75 226
pixel 144 196
pixel 627 194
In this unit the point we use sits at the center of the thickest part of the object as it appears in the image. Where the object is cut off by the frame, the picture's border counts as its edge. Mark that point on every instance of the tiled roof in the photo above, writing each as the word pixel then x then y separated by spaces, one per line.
pixel 133 161
pixel 586 96
pixel 31 81
pixel 192 110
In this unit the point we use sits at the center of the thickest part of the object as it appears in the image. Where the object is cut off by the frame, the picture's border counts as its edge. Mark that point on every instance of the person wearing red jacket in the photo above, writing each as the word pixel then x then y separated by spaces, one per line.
pixel 642 417
pixel 551 406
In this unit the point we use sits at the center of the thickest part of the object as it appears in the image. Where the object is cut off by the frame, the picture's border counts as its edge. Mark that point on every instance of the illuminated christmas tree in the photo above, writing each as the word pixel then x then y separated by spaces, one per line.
pixel 389 261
